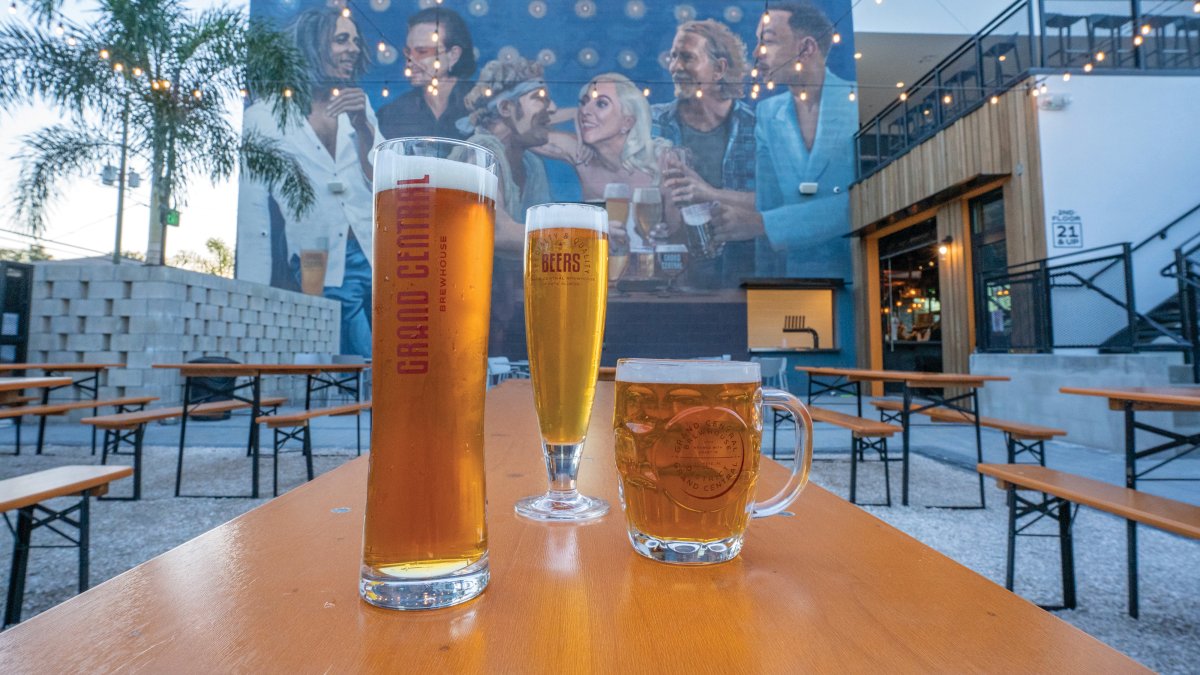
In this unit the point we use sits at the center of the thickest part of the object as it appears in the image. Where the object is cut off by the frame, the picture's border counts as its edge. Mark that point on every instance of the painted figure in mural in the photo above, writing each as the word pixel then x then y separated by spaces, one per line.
pixel 803 135
pixel 510 113
pixel 707 62
pixel 427 110
pixel 612 141
pixel 333 142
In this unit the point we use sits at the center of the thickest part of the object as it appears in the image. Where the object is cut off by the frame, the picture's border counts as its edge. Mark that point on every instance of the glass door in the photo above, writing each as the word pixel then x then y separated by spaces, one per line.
pixel 910 302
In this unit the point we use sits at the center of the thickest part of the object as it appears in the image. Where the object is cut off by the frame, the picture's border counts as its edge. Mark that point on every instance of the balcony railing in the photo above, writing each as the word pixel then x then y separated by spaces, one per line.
pixel 1060 35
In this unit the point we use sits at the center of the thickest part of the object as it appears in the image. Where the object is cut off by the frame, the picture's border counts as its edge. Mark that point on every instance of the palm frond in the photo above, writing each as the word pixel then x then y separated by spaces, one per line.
pixel 35 63
pixel 264 161
pixel 47 158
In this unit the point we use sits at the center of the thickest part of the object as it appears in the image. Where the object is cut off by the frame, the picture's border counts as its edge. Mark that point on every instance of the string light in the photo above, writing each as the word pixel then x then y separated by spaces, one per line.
pixel 407 71
pixel 899 85
pixel 1099 56
pixel 542 93
pixel 699 93
pixel 488 91
pixel 59 29
pixel 12 8
pixel 345 12
pixel 104 54
pixel 433 82
pixel 766 17
pixel 1002 58
pixel 799 66
pixel 1044 88
pixel 995 100
pixel 1034 92
pixel 196 93
pixel 336 92
pixel 646 92
pixel 287 92
pixel 903 96
pixel 754 88
pixel 852 95
pixel 382 47
pixel 754 94
pixel 437 63
pixel 857 56
pixel 770 84
pixel 166 84
pixel 434 37
pixel 434 92
pixel 137 72
pixel 837 37
pixel 71 41
pixel 803 95
pixel 154 85
pixel 594 93
pixel 754 72
pixel 762 49
pixel 946 100
pixel 1066 77
pixel 244 92
pixel 1145 29
pixel 1137 40
pixel 1087 67
pixel 118 67
pixel 386 92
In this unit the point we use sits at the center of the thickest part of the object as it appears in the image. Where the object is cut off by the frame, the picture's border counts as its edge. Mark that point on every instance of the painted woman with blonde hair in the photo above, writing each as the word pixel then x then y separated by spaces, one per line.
pixel 612 142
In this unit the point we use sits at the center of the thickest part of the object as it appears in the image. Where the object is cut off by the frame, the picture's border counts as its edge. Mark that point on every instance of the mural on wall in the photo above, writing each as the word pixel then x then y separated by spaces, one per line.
pixel 720 138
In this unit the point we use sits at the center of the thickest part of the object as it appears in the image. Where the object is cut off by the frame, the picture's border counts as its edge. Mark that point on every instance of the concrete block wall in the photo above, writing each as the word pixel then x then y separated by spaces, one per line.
pixel 93 311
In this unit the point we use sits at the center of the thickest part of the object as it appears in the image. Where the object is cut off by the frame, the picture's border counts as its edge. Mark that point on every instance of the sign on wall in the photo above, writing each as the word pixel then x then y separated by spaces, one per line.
pixel 1067 228
pixel 694 123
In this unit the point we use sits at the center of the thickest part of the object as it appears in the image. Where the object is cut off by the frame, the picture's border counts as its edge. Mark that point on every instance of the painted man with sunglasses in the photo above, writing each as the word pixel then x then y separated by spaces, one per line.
pixel 429 109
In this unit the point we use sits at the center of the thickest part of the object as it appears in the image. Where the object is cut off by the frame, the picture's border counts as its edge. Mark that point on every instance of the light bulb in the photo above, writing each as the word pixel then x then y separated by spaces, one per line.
pixel 1044 88
pixel 762 49
pixel 346 12
pixel 166 84
pixel 244 92
pixel 804 96
pixel 104 54
pixel 799 66
pixel 12 8
pixel 754 72
pixel 1034 92
pixel 857 56
pixel 770 84
pixel 1137 40
pixel 947 99
pixel 1145 29
pixel 1087 67
pixel 1002 58
pixel 646 92
pixel 386 92
pixel 852 96
pixel 899 85
pixel 1066 77
pixel 754 88
pixel 434 92
pixel 434 82
pixel 71 41
pixel 1099 56
pixel 487 91
pixel 754 94
pixel 118 67
pixel 542 93
pixel 154 85
pixel 407 71
pixel 287 93
pixel 995 100
pixel 382 47
pixel 903 96
pixel 594 92
pixel 699 93
pixel 59 29
pixel 766 18
pixel 837 37
pixel 434 37
pixel 196 93
pixel 336 92
pixel 437 64
pixel 137 72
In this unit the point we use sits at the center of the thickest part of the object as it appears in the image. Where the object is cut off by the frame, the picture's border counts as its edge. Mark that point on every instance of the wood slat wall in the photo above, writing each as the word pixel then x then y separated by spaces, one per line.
pixel 996 140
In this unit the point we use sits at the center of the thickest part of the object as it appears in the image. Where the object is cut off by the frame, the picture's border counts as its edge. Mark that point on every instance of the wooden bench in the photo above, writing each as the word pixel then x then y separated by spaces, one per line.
pixel 1058 490
pixel 26 494
pixel 865 435
pixel 1019 437
pixel 295 426
pixel 58 408
pixel 128 429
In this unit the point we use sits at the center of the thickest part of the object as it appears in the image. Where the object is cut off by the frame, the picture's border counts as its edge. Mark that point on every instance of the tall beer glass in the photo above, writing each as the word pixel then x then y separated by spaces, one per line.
pixel 425 539
pixel 566 287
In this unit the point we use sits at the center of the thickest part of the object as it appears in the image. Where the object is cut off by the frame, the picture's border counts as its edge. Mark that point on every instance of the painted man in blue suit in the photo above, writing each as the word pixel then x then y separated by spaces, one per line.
pixel 804 135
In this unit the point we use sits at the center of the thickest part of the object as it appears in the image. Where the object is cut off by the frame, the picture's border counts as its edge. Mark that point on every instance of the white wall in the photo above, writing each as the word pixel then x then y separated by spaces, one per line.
pixel 1125 156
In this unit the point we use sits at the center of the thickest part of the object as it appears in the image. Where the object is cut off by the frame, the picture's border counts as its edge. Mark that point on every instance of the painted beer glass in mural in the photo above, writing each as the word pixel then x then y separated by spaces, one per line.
pixel 574 97
pixel 333 141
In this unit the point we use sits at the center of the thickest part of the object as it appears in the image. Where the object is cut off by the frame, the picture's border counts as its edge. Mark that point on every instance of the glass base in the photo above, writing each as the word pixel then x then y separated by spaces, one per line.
pixel 561 506
pixel 685 552
pixel 389 592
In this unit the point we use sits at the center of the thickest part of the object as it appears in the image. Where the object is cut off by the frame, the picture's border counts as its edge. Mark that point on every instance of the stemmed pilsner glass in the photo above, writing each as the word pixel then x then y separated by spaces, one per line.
pixel 566 288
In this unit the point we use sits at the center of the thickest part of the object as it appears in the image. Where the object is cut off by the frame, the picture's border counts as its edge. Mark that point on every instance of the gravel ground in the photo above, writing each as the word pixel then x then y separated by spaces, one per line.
pixel 1164 638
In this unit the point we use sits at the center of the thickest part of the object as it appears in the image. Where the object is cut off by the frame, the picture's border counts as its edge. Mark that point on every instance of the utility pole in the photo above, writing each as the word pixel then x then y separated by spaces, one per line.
pixel 121 180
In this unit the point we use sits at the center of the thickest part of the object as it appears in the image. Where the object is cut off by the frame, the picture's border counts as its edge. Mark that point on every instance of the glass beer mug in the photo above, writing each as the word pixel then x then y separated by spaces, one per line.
pixel 688 448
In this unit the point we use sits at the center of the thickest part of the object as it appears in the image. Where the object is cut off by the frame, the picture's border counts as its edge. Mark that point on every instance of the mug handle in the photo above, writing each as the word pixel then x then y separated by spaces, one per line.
pixel 777 398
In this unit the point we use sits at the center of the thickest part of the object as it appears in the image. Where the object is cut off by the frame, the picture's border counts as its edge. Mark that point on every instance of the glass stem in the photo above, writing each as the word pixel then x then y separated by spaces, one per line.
pixel 562 465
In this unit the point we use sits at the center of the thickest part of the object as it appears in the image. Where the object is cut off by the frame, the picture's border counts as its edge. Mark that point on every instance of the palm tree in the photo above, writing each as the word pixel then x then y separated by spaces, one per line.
pixel 166 78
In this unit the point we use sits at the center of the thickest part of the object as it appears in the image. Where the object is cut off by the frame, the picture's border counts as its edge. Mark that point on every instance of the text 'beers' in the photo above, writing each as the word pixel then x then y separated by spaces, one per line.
pixel 562 262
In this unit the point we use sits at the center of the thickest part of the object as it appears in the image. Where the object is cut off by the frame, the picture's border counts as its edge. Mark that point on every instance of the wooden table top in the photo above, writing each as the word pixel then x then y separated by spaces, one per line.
pixel 32 488
pixel 19 383
pixel 831 589
pixel 251 369
pixel 912 377
pixel 1151 398
pixel 59 367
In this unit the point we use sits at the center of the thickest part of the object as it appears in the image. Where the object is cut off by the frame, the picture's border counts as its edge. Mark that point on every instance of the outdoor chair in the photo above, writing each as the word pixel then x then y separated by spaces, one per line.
pixel 499 369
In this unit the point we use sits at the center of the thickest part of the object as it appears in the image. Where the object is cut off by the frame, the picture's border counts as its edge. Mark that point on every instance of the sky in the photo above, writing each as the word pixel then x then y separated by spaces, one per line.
pixel 82 221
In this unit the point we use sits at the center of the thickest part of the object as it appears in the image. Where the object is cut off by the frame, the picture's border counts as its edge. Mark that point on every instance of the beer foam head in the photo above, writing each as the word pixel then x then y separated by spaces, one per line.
pixel 396 170
pixel 582 216
pixel 666 371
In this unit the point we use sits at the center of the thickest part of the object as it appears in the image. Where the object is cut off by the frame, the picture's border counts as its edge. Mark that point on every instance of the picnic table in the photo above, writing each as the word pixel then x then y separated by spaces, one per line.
pixel 830 589
pixel 11 387
pixel 344 377
pixel 829 380
pixel 1131 401
pixel 87 381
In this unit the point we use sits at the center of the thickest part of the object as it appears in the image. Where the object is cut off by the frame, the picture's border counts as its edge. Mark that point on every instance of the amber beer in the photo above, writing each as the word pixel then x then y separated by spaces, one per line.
pixel 688 438
pixel 425 539
pixel 566 287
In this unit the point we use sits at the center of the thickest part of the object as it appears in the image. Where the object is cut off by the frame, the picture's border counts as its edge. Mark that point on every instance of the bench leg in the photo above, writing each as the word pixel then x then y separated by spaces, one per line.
pixel 20 563
pixel 18 427
pixel 1011 555
pixel 1048 506
pixel 279 441
pixel 1066 547
pixel 1131 552
pixel 84 541
pixel 113 438
pixel 887 474
pixel 308 458
pixel 41 433
pixel 853 469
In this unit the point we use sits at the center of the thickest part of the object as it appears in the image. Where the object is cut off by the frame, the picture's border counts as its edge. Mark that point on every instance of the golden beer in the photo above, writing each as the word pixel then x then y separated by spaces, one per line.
pixel 566 275
pixel 566 287
pixel 424 524
pixel 688 438
pixel 687 456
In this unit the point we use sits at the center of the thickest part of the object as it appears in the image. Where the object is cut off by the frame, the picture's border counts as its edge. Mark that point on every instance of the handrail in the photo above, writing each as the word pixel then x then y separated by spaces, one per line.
pixel 966 46
pixel 1162 232
pixel 1042 261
